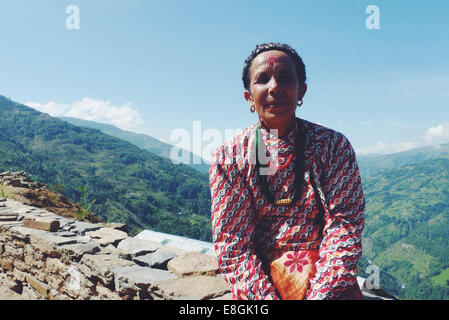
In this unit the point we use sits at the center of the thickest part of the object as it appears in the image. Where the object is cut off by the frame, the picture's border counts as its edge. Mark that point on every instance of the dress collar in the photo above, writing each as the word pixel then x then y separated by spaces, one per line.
pixel 288 139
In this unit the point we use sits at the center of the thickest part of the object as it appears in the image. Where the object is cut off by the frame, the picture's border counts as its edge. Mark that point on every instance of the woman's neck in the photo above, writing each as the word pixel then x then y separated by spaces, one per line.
pixel 281 129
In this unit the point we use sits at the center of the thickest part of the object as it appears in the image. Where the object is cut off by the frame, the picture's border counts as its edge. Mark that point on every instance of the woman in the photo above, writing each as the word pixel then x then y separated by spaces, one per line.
pixel 287 200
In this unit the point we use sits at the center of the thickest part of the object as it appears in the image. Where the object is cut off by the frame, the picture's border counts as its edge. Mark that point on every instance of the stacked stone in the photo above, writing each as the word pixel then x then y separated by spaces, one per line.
pixel 45 256
pixel 18 179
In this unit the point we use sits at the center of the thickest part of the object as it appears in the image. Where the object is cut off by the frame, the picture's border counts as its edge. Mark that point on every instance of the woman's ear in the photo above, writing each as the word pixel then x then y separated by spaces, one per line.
pixel 302 91
pixel 248 97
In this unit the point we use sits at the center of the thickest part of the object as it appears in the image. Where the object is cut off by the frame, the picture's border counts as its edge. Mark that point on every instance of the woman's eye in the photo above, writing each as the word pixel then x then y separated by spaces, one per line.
pixel 262 79
pixel 286 77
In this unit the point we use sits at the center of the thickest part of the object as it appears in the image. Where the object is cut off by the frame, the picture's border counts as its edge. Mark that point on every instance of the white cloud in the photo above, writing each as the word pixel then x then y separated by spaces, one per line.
pixel 384 148
pixel 123 116
pixel 438 134
pixel 434 136
pixel 52 108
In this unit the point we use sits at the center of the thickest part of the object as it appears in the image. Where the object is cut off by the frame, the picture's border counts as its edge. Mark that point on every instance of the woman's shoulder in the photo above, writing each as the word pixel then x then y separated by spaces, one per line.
pixel 235 149
pixel 322 135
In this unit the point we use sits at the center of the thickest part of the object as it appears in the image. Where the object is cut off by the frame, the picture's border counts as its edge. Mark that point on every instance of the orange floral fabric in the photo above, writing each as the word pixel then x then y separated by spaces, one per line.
pixel 291 272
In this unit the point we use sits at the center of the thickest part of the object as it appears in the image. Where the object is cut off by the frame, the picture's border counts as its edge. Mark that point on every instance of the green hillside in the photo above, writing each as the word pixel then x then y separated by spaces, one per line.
pixel 373 164
pixel 141 140
pixel 407 226
pixel 130 185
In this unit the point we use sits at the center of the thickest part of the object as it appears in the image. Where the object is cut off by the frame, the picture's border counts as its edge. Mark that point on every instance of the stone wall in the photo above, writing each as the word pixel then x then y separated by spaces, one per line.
pixel 18 179
pixel 46 256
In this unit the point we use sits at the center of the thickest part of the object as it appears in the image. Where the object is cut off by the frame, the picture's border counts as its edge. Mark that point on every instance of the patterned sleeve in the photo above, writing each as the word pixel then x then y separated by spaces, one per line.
pixel 233 229
pixel 344 203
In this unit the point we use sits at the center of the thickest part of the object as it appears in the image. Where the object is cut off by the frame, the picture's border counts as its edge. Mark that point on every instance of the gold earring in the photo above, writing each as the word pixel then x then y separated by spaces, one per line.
pixel 252 109
pixel 299 103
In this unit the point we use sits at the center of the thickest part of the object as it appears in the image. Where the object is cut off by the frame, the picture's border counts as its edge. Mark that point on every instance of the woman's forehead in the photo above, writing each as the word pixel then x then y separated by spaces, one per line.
pixel 269 58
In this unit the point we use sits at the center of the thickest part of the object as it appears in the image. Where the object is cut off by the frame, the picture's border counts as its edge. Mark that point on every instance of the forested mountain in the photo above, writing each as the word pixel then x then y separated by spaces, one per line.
pixel 407 226
pixel 373 164
pixel 141 140
pixel 129 184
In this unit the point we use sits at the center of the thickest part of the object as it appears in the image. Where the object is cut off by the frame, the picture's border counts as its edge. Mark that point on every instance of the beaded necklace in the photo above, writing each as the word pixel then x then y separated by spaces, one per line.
pixel 299 168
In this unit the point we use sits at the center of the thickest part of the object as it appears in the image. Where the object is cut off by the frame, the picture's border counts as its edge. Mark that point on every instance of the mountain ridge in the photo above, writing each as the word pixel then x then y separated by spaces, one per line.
pixel 141 140
pixel 130 185
pixel 376 163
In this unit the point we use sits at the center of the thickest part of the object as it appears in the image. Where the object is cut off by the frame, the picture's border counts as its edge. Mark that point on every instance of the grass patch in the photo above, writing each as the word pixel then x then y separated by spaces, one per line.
pixel 442 279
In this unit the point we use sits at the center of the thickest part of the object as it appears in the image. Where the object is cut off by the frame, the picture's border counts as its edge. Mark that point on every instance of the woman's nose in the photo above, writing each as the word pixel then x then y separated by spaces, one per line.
pixel 273 85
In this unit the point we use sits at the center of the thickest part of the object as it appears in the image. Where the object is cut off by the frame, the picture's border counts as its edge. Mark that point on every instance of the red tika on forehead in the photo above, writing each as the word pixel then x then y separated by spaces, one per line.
pixel 270 60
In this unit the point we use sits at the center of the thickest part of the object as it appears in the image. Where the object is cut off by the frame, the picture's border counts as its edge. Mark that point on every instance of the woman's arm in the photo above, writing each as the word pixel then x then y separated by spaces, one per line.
pixel 233 230
pixel 344 203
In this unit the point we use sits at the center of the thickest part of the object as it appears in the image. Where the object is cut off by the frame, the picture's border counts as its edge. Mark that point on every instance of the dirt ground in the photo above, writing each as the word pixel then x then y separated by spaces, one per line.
pixel 45 199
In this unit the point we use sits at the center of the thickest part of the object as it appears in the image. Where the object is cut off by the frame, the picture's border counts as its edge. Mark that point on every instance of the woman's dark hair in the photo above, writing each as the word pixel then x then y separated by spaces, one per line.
pixel 300 68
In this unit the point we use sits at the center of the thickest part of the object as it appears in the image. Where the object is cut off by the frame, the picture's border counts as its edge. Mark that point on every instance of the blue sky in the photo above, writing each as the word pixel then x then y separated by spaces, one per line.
pixel 157 66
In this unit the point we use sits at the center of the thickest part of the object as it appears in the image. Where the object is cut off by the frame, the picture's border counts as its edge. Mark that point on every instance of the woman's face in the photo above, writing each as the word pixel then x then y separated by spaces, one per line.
pixel 274 89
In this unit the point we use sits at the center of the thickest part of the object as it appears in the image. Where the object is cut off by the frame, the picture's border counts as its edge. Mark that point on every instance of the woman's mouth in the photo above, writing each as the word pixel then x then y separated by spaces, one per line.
pixel 275 105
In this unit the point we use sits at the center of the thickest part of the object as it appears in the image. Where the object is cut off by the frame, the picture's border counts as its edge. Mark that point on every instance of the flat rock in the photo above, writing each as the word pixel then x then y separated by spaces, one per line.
pixel 227 296
pixel 21 233
pixel 137 247
pixel 192 288
pixel 193 264
pixel 10 217
pixel 84 239
pixel 106 236
pixel 10 223
pixel 7 212
pixel 65 234
pixel 81 228
pixel 74 252
pixel 64 224
pixel 131 279
pixel 37 235
pixel 22 211
pixel 45 213
pixel 177 251
pixel 41 287
pixel 116 225
pixel 101 265
pixel 157 259
pixel 111 250
pixel 48 243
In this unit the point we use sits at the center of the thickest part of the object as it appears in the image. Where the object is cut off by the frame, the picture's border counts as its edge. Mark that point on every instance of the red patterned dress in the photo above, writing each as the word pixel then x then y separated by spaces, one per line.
pixel 308 250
